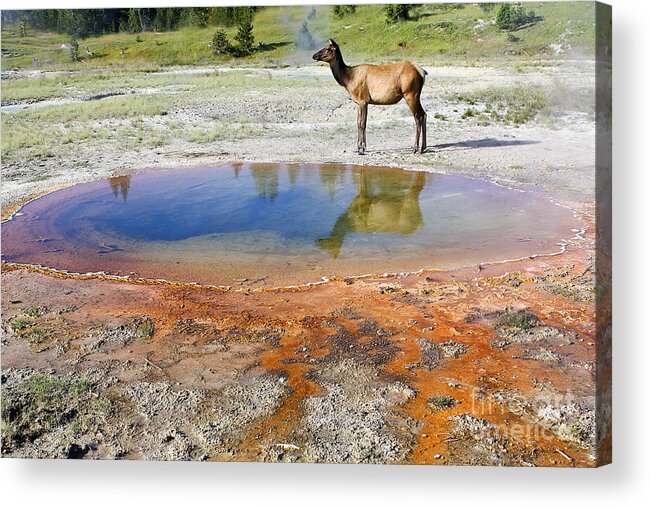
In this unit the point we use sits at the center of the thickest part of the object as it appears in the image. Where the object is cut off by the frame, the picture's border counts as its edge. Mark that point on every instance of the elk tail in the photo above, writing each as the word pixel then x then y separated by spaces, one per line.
pixel 421 71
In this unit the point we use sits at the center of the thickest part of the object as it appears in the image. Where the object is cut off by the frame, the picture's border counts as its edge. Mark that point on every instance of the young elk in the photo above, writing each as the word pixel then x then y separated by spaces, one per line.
pixel 378 84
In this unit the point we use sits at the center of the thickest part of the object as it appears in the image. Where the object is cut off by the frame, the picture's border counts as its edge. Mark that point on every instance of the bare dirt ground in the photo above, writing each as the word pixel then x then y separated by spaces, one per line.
pixel 487 365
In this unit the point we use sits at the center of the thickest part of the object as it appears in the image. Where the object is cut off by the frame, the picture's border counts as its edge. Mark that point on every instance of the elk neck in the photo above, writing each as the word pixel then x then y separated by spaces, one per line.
pixel 340 70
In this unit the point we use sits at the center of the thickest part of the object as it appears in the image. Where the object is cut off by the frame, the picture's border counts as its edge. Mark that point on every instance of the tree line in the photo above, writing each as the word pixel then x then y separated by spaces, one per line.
pixel 83 23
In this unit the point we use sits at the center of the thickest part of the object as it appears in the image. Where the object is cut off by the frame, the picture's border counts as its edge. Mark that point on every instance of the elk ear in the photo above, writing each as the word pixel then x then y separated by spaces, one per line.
pixel 332 43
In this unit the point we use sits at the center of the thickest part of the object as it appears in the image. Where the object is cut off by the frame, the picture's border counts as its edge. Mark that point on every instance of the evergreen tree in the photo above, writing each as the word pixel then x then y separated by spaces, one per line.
pixel 23 26
pixel 220 44
pixel 305 39
pixel 133 21
pixel 74 49
pixel 244 37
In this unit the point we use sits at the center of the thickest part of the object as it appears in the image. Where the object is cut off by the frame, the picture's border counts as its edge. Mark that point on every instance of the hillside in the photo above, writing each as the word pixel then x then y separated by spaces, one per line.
pixel 435 33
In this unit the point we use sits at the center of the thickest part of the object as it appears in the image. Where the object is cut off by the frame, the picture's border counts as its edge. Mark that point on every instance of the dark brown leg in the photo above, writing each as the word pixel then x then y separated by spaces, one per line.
pixel 361 128
pixel 414 105
pixel 364 116
pixel 423 144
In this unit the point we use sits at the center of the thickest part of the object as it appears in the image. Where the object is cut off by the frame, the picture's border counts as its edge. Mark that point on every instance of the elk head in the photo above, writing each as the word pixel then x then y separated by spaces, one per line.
pixel 328 53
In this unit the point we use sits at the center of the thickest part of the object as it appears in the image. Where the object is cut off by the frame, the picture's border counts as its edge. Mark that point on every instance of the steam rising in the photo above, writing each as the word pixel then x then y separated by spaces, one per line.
pixel 310 31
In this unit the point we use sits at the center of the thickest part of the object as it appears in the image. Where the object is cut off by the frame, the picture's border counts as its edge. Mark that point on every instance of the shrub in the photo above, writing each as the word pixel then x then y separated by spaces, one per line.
pixel 339 11
pixel 504 18
pixel 36 334
pixel 512 17
pixel 143 328
pixel 396 12
pixel 37 310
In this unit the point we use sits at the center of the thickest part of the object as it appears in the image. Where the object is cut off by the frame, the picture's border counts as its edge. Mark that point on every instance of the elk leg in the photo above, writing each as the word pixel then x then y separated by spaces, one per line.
pixel 414 107
pixel 364 116
pixel 423 144
pixel 361 128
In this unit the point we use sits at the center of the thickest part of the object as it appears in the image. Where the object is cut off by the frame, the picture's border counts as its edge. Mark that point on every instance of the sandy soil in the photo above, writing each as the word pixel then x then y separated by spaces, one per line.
pixel 486 365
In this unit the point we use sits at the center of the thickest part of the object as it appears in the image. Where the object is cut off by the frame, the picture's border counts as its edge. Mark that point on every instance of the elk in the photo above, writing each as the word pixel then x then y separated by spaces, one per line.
pixel 380 85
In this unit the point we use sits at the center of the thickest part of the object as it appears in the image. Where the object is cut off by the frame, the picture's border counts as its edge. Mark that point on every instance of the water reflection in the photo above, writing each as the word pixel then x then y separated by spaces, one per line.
pixel 292 174
pixel 290 223
pixel 382 204
pixel 120 184
pixel 266 181
pixel 331 180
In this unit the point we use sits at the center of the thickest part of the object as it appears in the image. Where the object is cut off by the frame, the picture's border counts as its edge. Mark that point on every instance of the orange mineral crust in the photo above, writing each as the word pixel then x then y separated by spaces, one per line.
pixel 490 364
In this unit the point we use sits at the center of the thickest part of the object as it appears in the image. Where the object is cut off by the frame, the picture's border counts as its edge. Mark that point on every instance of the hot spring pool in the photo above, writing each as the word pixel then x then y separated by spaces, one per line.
pixel 278 224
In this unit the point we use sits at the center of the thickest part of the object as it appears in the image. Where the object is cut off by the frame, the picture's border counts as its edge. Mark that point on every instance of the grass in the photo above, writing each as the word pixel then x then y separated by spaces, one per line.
pixel 21 323
pixel 81 85
pixel 38 132
pixel 24 327
pixel 128 106
pixel 217 132
pixel 42 403
pixel 144 328
pixel 24 136
pixel 441 402
pixel 520 320
pixel 36 334
pixel 434 32
pixel 514 105
pixel 36 311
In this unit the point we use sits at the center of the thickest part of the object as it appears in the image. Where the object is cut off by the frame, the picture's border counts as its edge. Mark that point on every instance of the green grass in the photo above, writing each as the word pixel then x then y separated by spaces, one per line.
pixel 520 320
pixel 36 311
pixel 26 328
pixel 36 334
pixel 144 328
pixel 218 131
pixel 81 85
pixel 42 403
pixel 435 33
pixel 441 402
pixel 40 130
pixel 22 135
pixel 515 105
pixel 21 323
pixel 127 106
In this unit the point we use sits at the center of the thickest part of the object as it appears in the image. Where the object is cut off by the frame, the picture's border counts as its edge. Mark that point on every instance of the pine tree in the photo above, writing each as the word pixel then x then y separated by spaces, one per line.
pixel 133 21
pixel 305 39
pixel 74 49
pixel 23 27
pixel 220 44
pixel 244 37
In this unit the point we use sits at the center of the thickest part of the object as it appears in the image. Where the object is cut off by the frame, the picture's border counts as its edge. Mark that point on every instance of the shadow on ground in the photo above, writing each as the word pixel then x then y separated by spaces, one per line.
pixel 488 142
